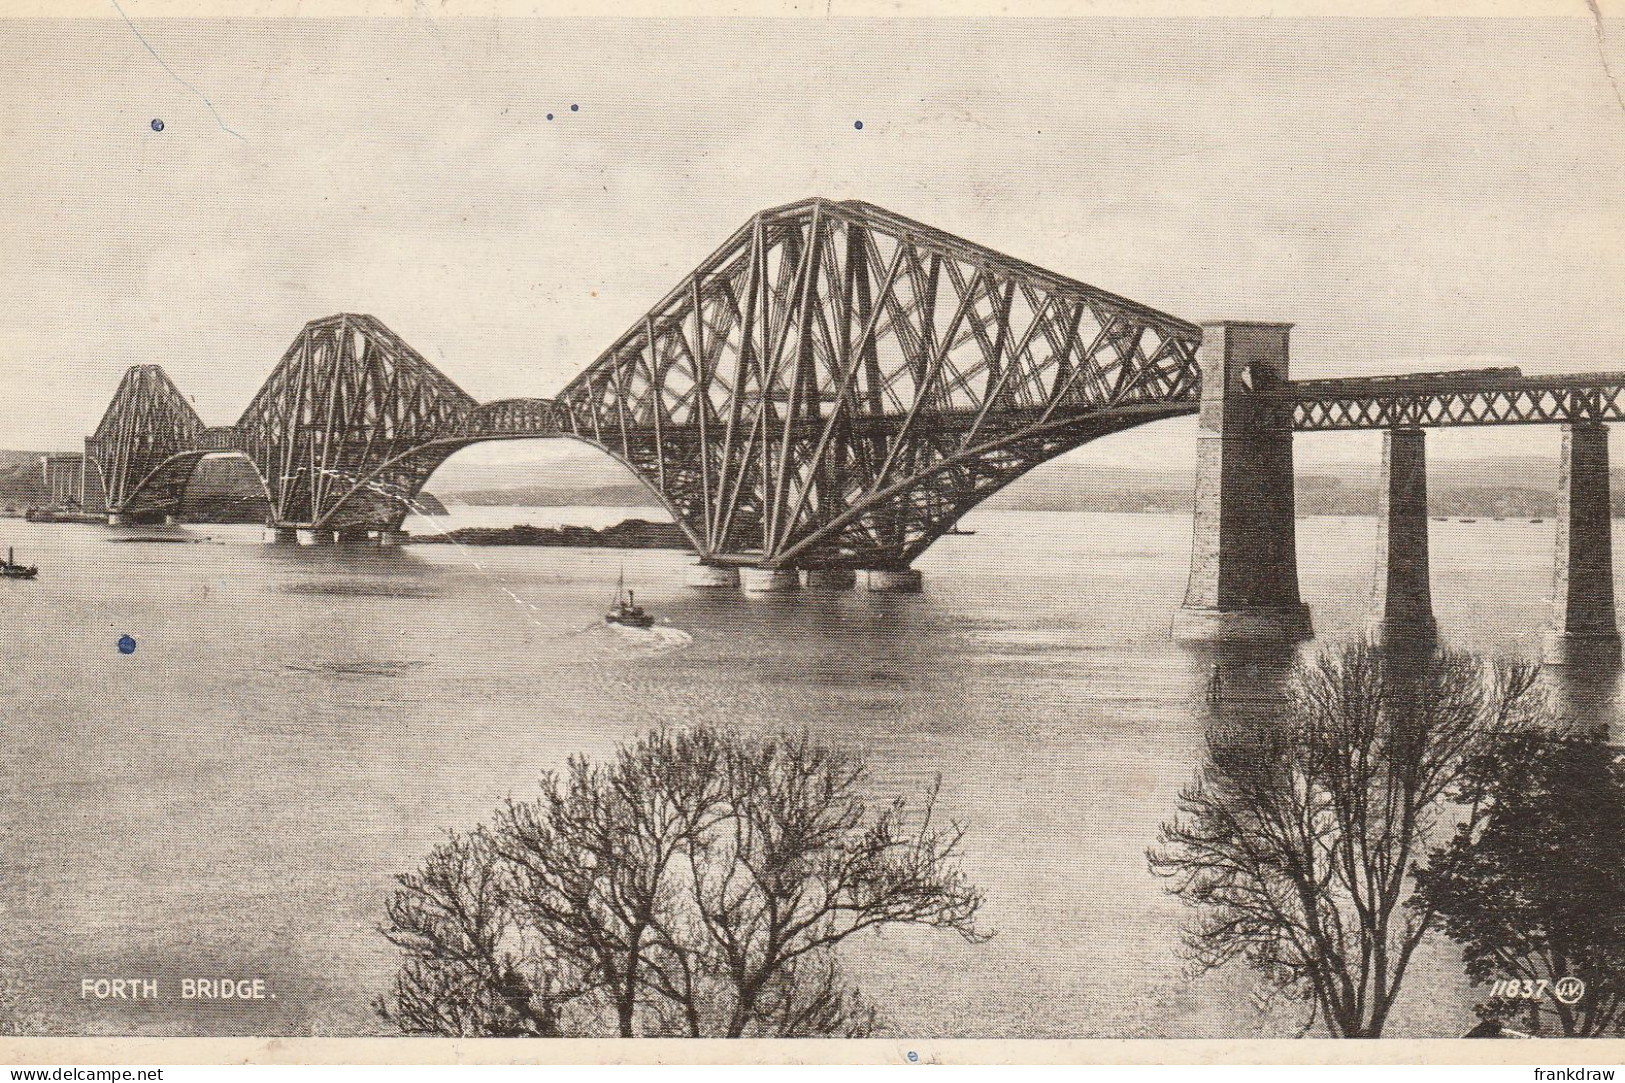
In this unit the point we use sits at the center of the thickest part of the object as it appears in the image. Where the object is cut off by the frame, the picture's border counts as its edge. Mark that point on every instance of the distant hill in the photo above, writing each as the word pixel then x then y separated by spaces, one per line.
pixel 22 482
pixel 630 495
pixel 225 490
pixel 1509 486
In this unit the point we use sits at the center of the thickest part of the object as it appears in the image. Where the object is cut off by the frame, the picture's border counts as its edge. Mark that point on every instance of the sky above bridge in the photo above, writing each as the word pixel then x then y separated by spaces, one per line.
pixel 1411 194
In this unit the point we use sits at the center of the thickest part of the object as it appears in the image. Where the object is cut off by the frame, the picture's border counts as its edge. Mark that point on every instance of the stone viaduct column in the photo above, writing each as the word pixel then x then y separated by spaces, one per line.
pixel 1583 627
pixel 1244 564
pixel 1401 593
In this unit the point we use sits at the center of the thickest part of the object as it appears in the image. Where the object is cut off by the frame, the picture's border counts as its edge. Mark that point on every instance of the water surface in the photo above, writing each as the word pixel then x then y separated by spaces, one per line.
pixel 295 726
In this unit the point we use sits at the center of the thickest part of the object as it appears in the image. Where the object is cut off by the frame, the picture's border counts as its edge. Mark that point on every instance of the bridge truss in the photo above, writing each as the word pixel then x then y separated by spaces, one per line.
pixel 1496 396
pixel 834 386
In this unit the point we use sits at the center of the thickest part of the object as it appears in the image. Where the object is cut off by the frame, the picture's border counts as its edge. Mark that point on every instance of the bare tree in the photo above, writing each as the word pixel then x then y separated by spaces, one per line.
pixel 18 1015
pixel 1299 851
pixel 470 970
pixel 796 866
pixel 698 884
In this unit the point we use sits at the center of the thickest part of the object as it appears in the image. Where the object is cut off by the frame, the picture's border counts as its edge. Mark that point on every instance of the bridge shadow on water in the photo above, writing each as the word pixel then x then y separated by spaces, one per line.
pixel 353 571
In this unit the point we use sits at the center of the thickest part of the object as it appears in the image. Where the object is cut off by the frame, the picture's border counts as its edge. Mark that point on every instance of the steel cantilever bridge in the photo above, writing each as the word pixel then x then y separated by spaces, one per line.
pixel 834 386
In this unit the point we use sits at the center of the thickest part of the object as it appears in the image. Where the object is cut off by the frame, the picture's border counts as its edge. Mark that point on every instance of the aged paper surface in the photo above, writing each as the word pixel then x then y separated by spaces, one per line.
pixel 741 533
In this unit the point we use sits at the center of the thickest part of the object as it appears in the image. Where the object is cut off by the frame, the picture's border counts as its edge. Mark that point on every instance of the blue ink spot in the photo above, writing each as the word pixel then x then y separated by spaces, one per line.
pixel 858 124
pixel 157 125
pixel 575 108
pixel 913 1057
pixel 126 644
pixel 550 116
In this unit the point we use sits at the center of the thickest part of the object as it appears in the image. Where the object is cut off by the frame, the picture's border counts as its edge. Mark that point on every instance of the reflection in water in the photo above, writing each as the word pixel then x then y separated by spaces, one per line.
pixel 1586 697
pixel 1328 780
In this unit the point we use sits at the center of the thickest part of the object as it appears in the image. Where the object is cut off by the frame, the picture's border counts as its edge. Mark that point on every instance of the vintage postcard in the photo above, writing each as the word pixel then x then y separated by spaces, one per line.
pixel 884 539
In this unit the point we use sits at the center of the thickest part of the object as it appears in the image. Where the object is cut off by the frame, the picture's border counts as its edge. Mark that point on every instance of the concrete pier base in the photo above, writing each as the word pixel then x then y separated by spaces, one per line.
pixel 115 519
pixel 389 539
pixel 894 581
pixel 711 576
pixel 1402 591
pixel 281 535
pixel 769 580
pixel 314 537
pixel 831 578
pixel 172 520
pixel 1584 629
pixel 1244 561
pixel 352 539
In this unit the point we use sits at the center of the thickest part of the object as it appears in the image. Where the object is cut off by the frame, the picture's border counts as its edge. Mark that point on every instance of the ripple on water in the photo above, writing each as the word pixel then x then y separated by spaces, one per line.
pixel 361 668
pixel 340 588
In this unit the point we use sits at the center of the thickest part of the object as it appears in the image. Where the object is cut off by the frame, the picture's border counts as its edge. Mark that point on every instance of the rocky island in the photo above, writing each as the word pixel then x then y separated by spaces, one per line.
pixel 627 534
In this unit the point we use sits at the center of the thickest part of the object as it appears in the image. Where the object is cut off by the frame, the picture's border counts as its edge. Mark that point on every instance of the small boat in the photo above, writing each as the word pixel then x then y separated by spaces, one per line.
pixel 626 610
pixel 12 570
pixel 1537 520
pixel 1466 520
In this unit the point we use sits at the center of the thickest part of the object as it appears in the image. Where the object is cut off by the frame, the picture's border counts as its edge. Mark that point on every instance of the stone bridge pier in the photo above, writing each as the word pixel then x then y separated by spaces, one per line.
pixel 1402 588
pixel 1244 562
pixel 1244 571
pixel 1584 630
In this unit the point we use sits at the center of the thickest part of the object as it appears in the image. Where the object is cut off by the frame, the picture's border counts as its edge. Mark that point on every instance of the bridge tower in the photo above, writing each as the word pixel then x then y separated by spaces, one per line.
pixel 1244 562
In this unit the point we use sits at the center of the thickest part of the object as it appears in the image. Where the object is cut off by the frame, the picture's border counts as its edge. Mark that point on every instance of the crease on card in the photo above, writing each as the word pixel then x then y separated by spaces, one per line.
pixel 204 98
pixel 1602 50
pixel 419 509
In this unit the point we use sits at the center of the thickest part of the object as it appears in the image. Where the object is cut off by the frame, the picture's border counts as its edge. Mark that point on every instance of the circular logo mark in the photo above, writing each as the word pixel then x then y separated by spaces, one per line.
pixel 1569 990
pixel 126 644
pixel 157 125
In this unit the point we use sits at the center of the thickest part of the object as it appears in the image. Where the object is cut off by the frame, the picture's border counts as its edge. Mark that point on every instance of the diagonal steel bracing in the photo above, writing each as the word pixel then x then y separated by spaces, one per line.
pixel 1498 396
pixel 148 423
pixel 836 384
pixel 348 396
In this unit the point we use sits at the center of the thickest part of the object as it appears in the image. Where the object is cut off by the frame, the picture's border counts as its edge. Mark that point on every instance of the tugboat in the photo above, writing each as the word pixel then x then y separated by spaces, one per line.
pixel 626 610
pixel 12 570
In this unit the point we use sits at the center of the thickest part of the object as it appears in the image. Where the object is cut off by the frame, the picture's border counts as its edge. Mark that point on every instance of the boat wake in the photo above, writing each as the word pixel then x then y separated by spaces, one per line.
pixel 655 640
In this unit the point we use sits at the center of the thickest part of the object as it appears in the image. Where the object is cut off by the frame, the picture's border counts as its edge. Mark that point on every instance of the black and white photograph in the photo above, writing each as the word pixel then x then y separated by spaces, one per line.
pixel 823 527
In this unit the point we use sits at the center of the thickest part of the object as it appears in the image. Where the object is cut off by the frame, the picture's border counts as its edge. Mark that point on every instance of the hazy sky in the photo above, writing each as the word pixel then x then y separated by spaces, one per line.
pixel 1412 194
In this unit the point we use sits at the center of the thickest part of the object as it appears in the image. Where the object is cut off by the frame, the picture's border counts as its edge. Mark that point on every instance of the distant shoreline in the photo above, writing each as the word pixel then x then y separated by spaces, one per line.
pixel 643 534
pixel 627 534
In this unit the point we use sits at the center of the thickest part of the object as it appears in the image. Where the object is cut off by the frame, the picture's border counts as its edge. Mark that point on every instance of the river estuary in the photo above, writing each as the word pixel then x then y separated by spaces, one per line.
pixel 295 726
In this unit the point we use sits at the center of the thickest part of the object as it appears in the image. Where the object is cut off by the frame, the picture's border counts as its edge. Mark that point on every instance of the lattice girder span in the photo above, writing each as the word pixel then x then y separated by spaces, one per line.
pixel 833 356
pixel 148 422
pixel 347 397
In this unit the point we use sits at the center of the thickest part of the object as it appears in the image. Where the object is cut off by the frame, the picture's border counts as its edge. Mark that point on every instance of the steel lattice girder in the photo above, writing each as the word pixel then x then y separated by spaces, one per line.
pixel 836 384
pixel 346 398
pixel 1501 396
pixel 147 423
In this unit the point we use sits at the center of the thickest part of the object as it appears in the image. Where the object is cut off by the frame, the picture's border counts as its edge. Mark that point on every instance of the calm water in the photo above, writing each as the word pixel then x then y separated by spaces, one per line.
pixel 295 726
